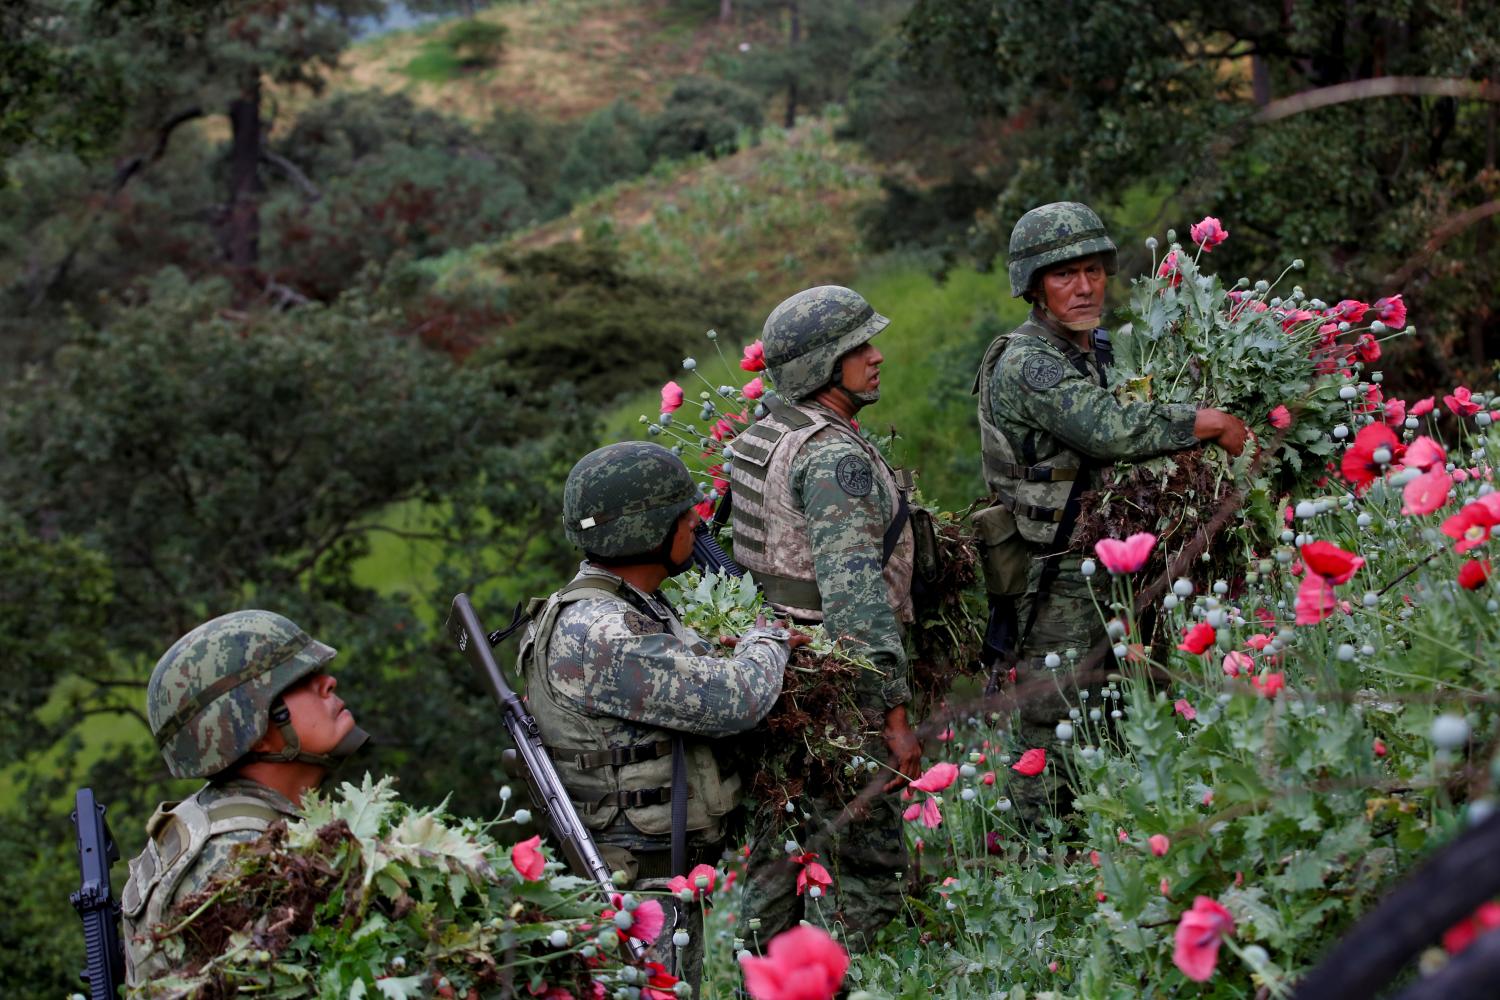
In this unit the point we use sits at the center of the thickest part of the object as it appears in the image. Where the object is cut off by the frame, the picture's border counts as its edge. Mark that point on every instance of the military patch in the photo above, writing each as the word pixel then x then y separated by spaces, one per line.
pixel 639 624
pixel 1042 372
pixel 854 475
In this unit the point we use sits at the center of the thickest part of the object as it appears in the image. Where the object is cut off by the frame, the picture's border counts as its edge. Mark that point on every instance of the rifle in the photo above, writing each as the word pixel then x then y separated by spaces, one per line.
pixel 709 556
pixel 548 796
pixel 104 971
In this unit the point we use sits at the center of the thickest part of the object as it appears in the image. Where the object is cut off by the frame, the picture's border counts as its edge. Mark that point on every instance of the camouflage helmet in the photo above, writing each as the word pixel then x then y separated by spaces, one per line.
pixel 210 696
pixel 807 334
pixel 622 499
pixel 1051 234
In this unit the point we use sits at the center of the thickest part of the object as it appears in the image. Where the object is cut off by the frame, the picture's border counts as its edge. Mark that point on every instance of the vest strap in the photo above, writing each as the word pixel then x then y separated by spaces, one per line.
pixel 787 414
pixel 1034 473
pixel 587 760
pixel 1010 503
pixel 790 593
pixel 634 799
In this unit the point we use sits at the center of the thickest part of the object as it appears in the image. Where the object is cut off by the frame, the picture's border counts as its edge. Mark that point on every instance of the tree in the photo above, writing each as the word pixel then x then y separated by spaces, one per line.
pixel 1208 103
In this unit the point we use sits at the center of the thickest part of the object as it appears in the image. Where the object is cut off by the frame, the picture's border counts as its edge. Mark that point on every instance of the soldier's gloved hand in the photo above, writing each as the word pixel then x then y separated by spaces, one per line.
pixel 1225 429
pixel 794 640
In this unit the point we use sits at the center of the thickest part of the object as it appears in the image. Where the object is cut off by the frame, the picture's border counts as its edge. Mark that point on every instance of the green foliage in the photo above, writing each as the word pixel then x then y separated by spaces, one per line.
pixel 478 44
pixel 703 115
pixel 587 318
pixel 610 146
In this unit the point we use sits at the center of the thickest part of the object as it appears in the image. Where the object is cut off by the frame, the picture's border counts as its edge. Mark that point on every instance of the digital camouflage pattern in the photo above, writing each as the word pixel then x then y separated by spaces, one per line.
pixel 1051 234
pixel 622 499
pixel 203 727
pixel 1042 405
pixel 813 501
pixel 188 843
pixel 866 859
pixel 807 334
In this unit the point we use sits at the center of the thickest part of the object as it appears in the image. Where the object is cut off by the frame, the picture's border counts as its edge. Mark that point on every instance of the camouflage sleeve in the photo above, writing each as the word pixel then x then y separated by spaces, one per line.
pixel 847 534
pixel 612 660
pixel 1033 383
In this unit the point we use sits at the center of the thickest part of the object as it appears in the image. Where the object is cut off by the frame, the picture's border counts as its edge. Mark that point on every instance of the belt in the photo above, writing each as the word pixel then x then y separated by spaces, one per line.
pixel 658 864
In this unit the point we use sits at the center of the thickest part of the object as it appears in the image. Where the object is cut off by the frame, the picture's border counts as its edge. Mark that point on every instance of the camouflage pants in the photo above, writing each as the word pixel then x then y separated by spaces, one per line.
pixel 1066 618
pixel 867 860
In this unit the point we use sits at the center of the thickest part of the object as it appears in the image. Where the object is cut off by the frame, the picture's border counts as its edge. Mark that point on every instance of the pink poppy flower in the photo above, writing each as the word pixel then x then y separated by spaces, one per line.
pixel 754 359
pixel 1032 763
pixel 1208 233
pixel 1281 418
pixel 1315 599
pixel 1422 407
pixel 1391 312
pixel 689 882
pixel 1127 556
pixel 803 963
pixel 1379 747
pixel 936 778
pixel 1424 453
pixel 722 430
pixel 1185 709
pixel 646 920
pixel 1470 527
pixel 1395 411
pixel 1165 887
pixel 1169 270
pixel 1426 493
pixel 527 857
pixel 1236 663
pixel 1198 936
pixel 1260 641
pixel 1461 402
pixel 671 397
pixel 754 389
pixel 1160 845
pixel 1349 311
pixel 927 811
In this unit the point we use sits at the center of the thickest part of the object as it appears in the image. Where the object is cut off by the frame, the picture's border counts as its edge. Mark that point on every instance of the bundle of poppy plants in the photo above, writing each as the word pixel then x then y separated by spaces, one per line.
pixel 1294 368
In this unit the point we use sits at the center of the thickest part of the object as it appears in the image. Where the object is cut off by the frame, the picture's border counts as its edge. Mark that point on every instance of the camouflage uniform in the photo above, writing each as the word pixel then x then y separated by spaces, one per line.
pixel 819 519
pixel 614 679
pixel 211 698
pixel 1048 426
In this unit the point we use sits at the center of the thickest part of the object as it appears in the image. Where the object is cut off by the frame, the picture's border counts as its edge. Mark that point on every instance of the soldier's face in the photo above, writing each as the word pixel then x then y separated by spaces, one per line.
pixel 682 539
pixel 860 369
pixel 318 715
pixel 1073 291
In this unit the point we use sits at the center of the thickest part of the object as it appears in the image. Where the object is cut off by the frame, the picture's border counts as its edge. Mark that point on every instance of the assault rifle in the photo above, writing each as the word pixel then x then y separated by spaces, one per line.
pixel 104 971
pixel 548 796
pixel 709 556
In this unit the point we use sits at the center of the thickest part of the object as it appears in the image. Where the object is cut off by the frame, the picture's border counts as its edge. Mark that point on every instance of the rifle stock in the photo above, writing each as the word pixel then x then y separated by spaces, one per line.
pixel 104 971
pixel 548 795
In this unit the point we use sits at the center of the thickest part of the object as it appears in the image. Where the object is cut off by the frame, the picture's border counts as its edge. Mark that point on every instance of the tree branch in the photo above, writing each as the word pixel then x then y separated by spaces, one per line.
pixel 294 173
pixel 1384 86
pixel 1450 228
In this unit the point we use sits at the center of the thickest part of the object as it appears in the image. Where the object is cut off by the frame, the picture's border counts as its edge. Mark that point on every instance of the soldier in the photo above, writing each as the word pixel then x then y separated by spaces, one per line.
pixel 632 702
pixel 246 701
pixel 821 521
pixel 1048 425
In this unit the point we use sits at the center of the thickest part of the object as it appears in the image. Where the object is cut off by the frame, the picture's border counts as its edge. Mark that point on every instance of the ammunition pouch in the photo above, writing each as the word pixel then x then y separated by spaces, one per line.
pixel 1004 555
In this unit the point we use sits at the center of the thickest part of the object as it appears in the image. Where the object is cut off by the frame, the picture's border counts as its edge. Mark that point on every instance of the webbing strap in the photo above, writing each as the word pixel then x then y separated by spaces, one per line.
pixel 893 531
pixel 679 806
pixel 634 799
pixel 1055 514
pixel 587 760
pixel 1034 473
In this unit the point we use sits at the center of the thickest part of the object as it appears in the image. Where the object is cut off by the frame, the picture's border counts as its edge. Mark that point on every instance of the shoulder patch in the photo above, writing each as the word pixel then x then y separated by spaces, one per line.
pixel 1041 371
pixel 639 624
pixel 854 475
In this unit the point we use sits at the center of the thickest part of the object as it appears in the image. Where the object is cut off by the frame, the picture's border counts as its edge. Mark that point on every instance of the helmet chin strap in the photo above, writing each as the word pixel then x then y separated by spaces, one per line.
pixel 859 400
pixel 1078 326
pixel 292 752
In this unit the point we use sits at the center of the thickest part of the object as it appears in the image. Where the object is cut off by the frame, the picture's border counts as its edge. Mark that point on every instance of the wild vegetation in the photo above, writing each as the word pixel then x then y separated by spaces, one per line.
pixel 298 321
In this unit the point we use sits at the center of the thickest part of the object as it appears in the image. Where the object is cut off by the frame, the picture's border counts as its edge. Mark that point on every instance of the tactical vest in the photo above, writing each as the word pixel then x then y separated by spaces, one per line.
pixel 771 536
pixel 176 836
pixel 604 779
pixel 1034 487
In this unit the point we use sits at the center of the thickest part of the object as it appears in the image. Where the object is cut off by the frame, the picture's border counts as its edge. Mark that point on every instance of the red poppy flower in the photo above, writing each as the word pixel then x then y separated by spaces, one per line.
pixel 1198 639
pixel 1315 599
pixel 1349 311
pixel 1359 466
pixel 1426 493
pixel 1424 453
pixel 660 984
pixel 1259 642
pixel 1032 763
pixel 1470 527
pixel 1461 403
pixel 811 874
pixel 1328 560
pixel 1281 418
pixel 936 778
pixel 754 389
pixel 1422 407
pixel 755 358
pixel 527 857
pixel 927 811
pixel 1169 270
pixel 1462 934
pixel 689 882
pixel 1474 573
pixel 1368 348
pixel 1198 936
pixel 1391 312
pixel 1269 685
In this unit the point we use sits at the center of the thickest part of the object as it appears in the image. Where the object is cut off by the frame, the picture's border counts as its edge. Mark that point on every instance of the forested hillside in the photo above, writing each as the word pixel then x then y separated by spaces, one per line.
pixel 300 317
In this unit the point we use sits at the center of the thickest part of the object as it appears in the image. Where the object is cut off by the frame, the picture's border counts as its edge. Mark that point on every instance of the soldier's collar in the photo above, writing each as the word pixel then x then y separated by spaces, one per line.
pixel 1056 335
pixel 652 605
